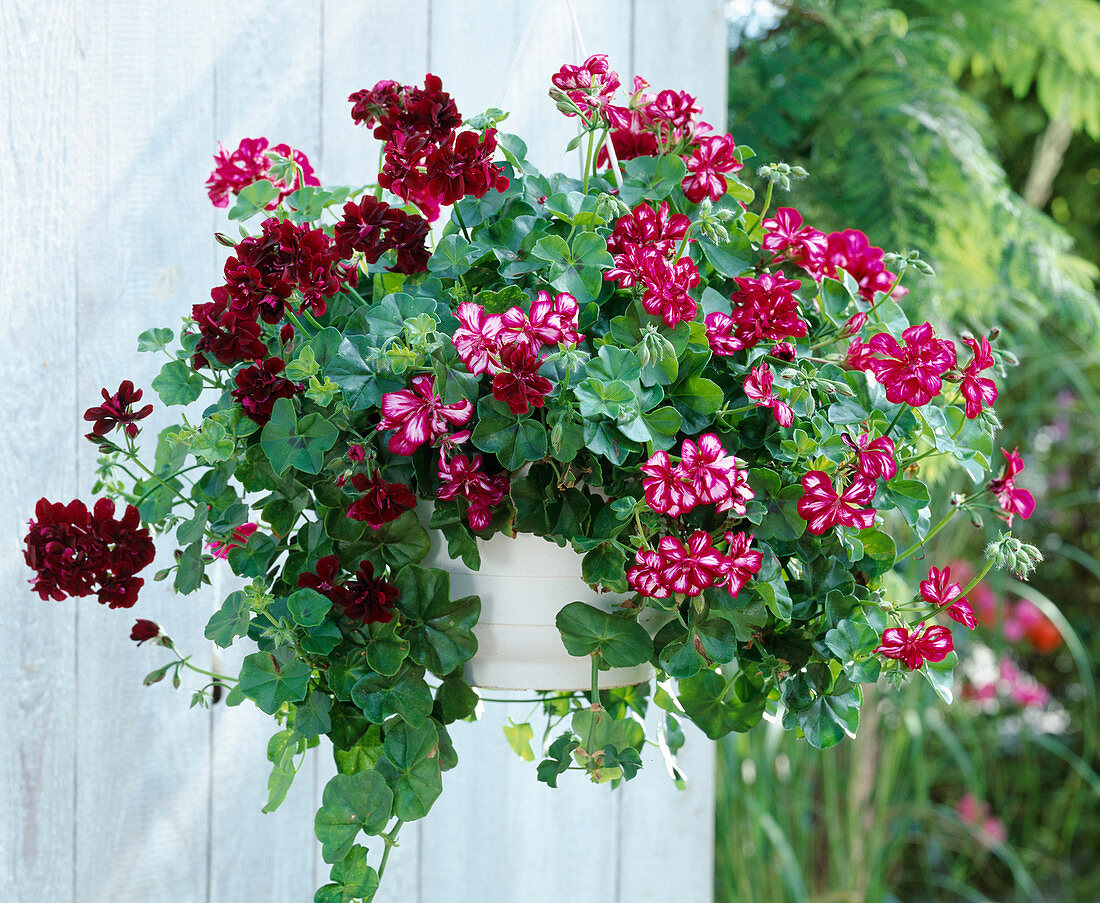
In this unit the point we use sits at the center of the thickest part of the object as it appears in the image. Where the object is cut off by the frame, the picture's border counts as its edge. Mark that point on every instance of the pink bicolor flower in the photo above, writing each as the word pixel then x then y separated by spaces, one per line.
pixel 765 308
pixel 851 250
pixel 249 163
pixel 720 328
pixel 912 374
pixel 875 456
pixel 239 538
pixel 854 324
pixel 644 576
pixel 822 508
pixel 784 351
pixel 692 569
pixel 708 165
pixel 659 229
pixel 419 415
pixel 477 340
pixel 666 288
pixel 914 648
pixel 758 389
pixel 739 562
pixel 1013 500
pixel 787 238
pixel 463 477
pixel 858 356
pixel 629 265
pixel 552 320
pixel 713 475
pixel 665 491
pixel 939 592
pixel 976 389
pixel 590 86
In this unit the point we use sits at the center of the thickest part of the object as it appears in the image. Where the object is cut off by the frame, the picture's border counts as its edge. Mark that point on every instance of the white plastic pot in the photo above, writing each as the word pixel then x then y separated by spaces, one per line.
pixel 523 583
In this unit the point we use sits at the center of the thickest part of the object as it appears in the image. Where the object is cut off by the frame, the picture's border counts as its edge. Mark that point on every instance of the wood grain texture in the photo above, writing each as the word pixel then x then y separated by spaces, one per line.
pixel 38 79
pixel 144 256
pixel 264 84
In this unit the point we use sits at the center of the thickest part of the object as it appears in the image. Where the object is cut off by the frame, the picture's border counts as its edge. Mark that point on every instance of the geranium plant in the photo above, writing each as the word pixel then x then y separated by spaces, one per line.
pixel 728 412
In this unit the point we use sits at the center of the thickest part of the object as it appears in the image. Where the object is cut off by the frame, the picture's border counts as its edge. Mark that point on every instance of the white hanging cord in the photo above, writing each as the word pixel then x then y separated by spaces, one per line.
pixel 520 47
pixel 578 36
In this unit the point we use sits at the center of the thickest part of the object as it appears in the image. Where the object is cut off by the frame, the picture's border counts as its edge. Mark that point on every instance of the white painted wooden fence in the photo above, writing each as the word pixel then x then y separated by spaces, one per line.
pixel 111 109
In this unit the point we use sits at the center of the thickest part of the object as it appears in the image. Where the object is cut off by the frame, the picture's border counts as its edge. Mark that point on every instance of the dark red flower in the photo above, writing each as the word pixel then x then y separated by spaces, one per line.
pixel 711 161
pixel 406 109
pixel 369 104
pixel 144 630
pixel 381 501
pixel 402 172
pixel 226 334
pixel 822 508
pixel 630 144
pixel 367 598
pixel 915 648
pixel 117 410
pixel 518 383
pixel 406 238
pixel 357 453
pixel 260 385
pixel 765 308
pixel 462 476
pixel 323 580
pixel 249 163
pixel 912 374
pixel 462 165
pixel 363 228
pixel 74 552
pixel 978 390
pixel 1013 500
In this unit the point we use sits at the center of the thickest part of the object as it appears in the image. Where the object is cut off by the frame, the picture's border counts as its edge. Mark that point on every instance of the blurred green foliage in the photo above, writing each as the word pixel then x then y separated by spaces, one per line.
pixel 967 130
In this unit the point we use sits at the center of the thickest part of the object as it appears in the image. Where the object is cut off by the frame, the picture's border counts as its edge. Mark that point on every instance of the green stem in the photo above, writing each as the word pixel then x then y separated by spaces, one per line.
pixel 221 678
pixel 391 842
pixel 461 223
pixel 298 324
pixel 894 422
pixel 312 319
pixel 985 570
pixel 131 455
pixel 767 200
pixel 595 680
pixel 588 160
pixel 920 543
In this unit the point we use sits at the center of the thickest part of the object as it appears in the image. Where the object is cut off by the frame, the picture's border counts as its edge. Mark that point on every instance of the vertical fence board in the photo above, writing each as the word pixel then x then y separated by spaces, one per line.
pixel 38 81
pixel 142 814
pixel 268 83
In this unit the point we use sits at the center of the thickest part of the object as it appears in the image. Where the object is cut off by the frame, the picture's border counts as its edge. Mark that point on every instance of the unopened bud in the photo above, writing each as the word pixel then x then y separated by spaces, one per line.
pixel 1011 554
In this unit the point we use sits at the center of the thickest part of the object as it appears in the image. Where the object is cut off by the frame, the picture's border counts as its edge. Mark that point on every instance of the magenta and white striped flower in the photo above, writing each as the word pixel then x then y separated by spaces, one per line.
pixel 418 415
pixel 939 591
pixel 644 576
pixel 758 389
pixel 978 390
pixel 713 475
pixel 692 569
pixel 720 334
pixel 914 648
pixel 739 562
pixel 463 477
pixel 823 508
pixel 477 340
pixel 665 491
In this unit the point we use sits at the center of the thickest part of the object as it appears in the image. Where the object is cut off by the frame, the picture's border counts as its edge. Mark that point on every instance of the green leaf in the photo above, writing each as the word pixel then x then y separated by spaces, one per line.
pixel 731 259
pixel 288 443
pixel 254 199
pixel 828 719
pixel 449 259
pixel 879 552
pixel 194 529
pixel 190 569
pixel 441 633
pixel 397 543
pixel 386 651
pixel 621 642
pixel 271 679
pixel 697 399
pixel 519 737
pixel 308 607
pixel 718 705
pixel 312 718
pixel 651 177
pixel 351 803
pixel 354 880
pixel 514 440
pixel 254 557
pixel 154 339
pixel 229 621
pixel 380 697
pixel 355 369
pixel 178 383
pixel 454 699
pixel 410 765
pixel 941 675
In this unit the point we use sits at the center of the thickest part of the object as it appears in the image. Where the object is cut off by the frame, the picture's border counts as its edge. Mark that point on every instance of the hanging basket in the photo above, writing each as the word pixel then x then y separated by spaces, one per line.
pixel 523 583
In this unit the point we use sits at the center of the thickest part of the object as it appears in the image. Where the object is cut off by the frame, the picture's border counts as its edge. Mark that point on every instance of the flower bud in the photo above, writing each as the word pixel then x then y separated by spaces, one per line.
pixel 1011 554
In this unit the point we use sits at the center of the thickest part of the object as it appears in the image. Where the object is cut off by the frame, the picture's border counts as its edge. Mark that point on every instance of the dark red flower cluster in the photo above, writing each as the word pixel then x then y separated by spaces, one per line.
pixel 381 501
pixel 363 597
pixel 144 630
pixel 1011 498
pixel 249 163
pixel 914 648
pixel 463 477
pixel 76 552
pixel 711 161
pixel 117 410
pixel 688 570
pixel 285 256
pixel 407 110
pixel 226 334
pixel 822 507
pixel 706 474
pixel 372 227
pixel 912 374
pixel 761 309
pixel 647 261
pixel 260 385
pixel 518 383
